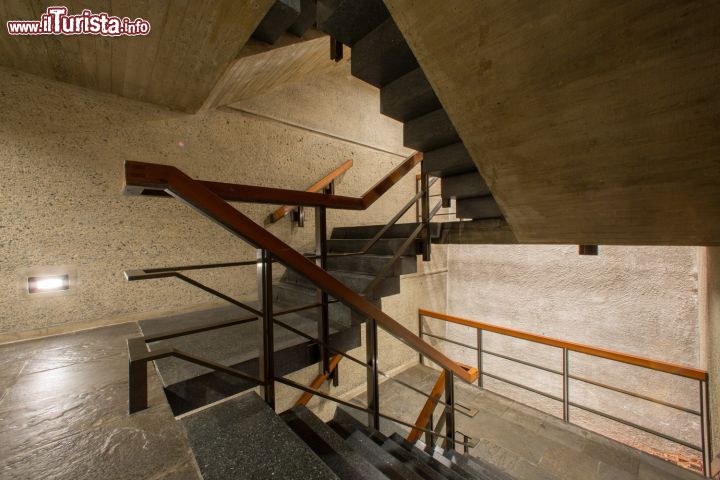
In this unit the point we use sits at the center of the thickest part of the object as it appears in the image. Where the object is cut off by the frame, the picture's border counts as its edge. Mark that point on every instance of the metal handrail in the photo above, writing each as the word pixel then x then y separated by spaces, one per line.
pixel 705 448
pixel 207 201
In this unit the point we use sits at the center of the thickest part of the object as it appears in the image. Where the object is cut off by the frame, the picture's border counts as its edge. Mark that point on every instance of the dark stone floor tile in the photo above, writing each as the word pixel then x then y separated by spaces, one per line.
pixel 147 445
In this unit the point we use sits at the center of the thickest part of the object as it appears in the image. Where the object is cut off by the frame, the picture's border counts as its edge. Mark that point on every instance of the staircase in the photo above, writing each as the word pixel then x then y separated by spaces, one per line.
pixel 189 386
pixel 294 16
pixel 244 438
pixel 382 58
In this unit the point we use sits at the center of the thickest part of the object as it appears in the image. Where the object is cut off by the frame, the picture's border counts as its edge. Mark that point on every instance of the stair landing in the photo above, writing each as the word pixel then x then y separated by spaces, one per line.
pixel 526 443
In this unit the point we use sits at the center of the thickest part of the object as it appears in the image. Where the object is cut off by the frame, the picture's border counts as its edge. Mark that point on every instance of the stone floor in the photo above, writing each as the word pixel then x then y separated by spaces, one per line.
pixel 527 443
pixel 63 413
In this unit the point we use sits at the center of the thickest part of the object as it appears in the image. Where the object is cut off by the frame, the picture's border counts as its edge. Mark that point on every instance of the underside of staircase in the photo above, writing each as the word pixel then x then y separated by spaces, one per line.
pixel 382 58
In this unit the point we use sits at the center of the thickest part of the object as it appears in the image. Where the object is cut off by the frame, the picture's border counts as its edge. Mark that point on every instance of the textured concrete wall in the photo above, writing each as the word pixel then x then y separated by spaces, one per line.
pixel 638 300
pixel 61 154
pixel 713 339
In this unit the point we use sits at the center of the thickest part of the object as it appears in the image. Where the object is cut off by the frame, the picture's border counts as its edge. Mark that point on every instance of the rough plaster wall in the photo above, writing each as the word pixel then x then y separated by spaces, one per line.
pixel 61 154
pixel 713 334
pixel 638 300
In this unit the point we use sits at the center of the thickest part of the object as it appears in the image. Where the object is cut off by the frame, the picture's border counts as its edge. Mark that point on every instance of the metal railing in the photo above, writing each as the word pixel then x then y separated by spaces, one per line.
pixel 210 199
pixel 701 376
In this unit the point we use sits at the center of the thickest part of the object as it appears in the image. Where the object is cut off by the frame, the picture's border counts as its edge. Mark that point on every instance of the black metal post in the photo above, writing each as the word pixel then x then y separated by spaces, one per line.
pixel 424 185
pixel 321 261
pixel 480 357
pixel 267 347
pixel 336 50
pixel 705 428
pixel 420 334
pixel 429 440
pixel 566 384
pixel 418 217
pixel 373 387
pixel 450 410
pixel 137 388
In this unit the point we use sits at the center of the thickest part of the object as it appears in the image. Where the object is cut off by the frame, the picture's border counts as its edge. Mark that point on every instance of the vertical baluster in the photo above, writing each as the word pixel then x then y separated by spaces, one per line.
pixel 429 440
pixel 450 410
pixel 321 261
pixel 480 357
pixel 424 181
pixel 373 390
pixel 420 334
pixel 566 384
pixel 267 347
pixel 705 427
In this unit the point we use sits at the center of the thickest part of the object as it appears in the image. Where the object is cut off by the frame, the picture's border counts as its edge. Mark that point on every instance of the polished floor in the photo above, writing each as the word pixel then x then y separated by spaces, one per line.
pixel 63 413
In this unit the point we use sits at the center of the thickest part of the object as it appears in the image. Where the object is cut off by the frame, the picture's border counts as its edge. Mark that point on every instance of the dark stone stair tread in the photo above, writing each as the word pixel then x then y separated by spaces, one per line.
pixel 465 185
pixel 332 458
pixel 290 295
pixel 408 97
pixel 449 160
pixel 226 440
pixel 430 132
pixel 478 208
pixel 398 231
pixel 350 20
pixel 306 19
pixel 338 445
pixel 384 246
pixel 372 264
pixel 411 462
pixel 279 18
pixel 229 346
pixel 444 469
pixel 389 465
pixel 474 466
pixel 382 55
pixel 357 282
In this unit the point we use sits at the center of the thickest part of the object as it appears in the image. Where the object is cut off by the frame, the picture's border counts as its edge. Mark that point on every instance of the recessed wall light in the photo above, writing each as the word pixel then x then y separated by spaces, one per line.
pixel 47 284
pixel 588 250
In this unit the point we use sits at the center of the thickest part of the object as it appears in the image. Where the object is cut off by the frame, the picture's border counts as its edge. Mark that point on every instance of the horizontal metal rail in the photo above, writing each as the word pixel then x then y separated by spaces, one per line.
pixel 672 369
pixel 326 396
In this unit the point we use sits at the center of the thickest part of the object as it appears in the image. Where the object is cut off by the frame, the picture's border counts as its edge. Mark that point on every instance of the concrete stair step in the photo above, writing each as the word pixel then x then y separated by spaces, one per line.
pixel 382 55
pixel 430 131
pixel 355 281
pixel 306 19
pixel 350 20
pixel 384 246
pixel 279 18
pixel 244 438
pixel 465 185
pixel 408 97
pixel 329 446
pixel 411 462
pixel 372 264
pixel 447 161
pixel 389 465
pixel 478 208
pixel 446 470
pixel 399 230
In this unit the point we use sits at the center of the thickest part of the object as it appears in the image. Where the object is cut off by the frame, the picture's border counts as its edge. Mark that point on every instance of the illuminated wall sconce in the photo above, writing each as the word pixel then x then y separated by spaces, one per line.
pixel 48 284
pixel 47 281
pixel 588 250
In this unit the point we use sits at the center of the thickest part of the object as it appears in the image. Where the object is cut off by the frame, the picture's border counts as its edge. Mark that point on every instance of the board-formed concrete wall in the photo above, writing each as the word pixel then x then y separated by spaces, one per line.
pixel 638 300
pixel 712 258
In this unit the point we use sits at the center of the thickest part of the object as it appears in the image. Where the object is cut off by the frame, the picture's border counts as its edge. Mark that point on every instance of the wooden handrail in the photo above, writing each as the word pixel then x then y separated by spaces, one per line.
pixel 152 179
pixel 205 200
pixel 315 187
pixel 432 401
pixel 319 380
pixel 657 365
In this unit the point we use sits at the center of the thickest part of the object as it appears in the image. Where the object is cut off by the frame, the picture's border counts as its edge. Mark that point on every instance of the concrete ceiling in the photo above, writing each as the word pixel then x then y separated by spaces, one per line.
pixel 593 121
pixel 190 46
